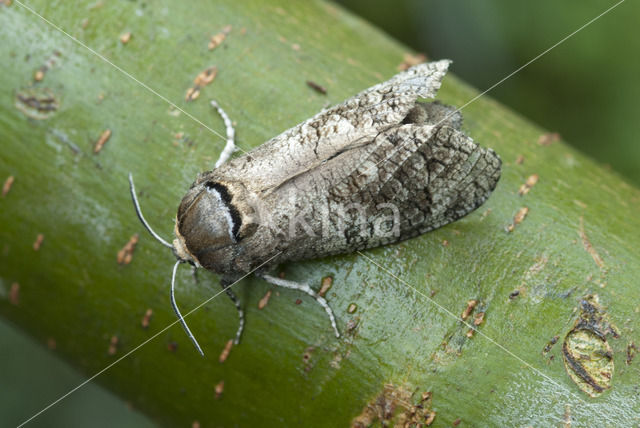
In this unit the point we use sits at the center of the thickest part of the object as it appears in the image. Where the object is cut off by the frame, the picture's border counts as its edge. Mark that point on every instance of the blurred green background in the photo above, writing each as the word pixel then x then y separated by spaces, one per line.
pixel 586 89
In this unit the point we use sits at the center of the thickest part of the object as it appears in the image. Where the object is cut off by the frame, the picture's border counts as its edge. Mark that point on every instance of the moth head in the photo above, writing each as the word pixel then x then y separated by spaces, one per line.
pixel 207 222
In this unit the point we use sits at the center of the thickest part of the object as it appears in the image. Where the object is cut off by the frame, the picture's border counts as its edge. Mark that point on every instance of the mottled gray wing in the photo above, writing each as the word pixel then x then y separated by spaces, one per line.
pixel 352 125
pixel 432 175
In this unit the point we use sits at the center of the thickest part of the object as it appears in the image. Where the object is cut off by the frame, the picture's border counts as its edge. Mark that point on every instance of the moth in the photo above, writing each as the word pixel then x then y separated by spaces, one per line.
pixel 377 169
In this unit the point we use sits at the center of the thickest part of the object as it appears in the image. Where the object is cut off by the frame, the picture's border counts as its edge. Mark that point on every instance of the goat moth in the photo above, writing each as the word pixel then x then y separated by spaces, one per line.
pixel 377 169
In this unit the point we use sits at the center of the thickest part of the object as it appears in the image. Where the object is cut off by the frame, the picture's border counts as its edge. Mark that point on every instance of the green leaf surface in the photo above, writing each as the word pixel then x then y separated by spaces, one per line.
pixel 579 236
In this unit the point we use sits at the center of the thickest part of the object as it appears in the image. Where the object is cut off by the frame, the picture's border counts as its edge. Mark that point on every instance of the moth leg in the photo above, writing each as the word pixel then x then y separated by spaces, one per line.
pixel 234 299
pixel 230 147
pixel 306 289
pixel 194 274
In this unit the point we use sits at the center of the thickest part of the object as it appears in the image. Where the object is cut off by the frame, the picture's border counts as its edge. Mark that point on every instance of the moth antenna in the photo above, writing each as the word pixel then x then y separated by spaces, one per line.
pixel 136 204
pixel 230 147
pixel 177 311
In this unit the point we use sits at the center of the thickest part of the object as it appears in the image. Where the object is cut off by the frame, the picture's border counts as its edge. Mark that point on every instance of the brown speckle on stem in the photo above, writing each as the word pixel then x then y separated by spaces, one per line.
pixel 547 139
pixel 146 318
pixel 467 311
pixel 113 345
pixel 549 345
pixel 219 389
pixel 38 242
pixel 202 79
pixel 205 77
pixel 192 94
pixel 456 422
pixel 125 255
pixel 518 218
pixel 51 343
pixel 39 74
pixel 6 187
pixel 430 418
pixel 265 300
pixel 528 184
pixel 125 37
pixel 306 356
pixel 317 87
pixel 327 281
pixel 217 39
pixel 478 318
pixel 588 247
pixel 104 137
pixel 225 352
pixel 632 350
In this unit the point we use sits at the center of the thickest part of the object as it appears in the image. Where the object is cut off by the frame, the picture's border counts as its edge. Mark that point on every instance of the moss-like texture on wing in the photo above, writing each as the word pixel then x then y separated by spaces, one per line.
pixel 527 257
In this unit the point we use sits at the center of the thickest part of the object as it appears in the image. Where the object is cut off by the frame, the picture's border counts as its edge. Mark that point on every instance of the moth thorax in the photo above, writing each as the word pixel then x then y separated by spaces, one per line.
pixel 207 220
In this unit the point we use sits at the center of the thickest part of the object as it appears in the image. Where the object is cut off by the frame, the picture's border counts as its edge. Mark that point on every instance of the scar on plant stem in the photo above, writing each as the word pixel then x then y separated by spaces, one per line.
pixel 588 247
pixel 547 139
pixel 467 311
pixel 397 406
pixel 48 64
pixel 202 79
pixel 147 318
pixel 225 352
pixel 125 255
pixel 219 389
pixel 104 137
pixel 6 187
pixel 125 37
pixel 265 300
pixel 316 87
pixel 113 345
pixel 325 286
pixel 517 219
pixel 38 242
pixel 587 355
pixel 217 39
pixel 528 184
